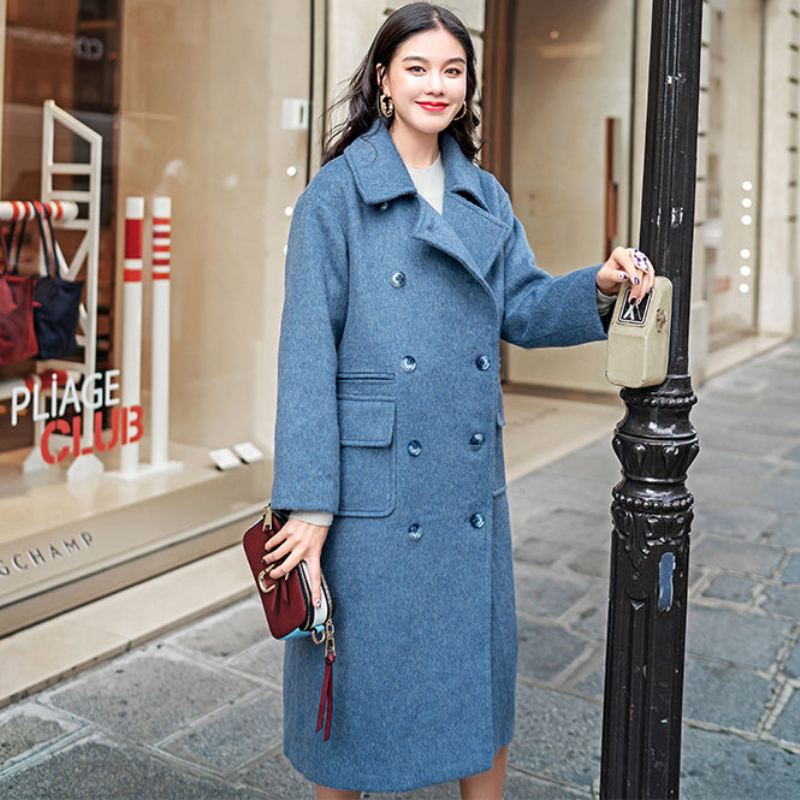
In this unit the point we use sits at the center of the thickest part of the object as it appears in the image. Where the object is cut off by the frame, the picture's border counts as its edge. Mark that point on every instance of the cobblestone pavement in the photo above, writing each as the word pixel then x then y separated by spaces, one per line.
pixel 197 713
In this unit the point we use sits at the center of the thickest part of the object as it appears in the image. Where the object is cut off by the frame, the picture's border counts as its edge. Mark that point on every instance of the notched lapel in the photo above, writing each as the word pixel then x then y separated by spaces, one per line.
pixel 464 231
pixel 482 233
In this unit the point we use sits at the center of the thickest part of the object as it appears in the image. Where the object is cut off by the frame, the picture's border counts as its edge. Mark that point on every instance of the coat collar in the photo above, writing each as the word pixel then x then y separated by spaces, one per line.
pixel 466 229
pixel 381 174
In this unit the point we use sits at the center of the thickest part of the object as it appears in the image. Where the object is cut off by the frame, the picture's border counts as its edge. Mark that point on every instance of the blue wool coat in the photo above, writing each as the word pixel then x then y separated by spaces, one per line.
pixel 390 415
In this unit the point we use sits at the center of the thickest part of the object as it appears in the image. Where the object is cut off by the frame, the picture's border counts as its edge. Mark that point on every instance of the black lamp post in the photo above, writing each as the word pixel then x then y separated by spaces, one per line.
pixel 656 443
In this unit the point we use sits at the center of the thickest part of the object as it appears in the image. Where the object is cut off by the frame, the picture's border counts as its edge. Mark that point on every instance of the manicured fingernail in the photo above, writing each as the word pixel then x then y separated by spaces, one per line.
pixel 636 280
pixel 318 602
pixel 623 275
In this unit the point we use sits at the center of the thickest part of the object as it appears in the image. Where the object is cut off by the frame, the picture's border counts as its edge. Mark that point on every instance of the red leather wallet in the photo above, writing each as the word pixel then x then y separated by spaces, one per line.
pixel 287 602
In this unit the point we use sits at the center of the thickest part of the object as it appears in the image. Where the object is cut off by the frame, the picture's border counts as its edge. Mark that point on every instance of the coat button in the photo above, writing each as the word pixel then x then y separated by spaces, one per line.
pixel 477 520
pixel 409 363
pixel 414 531
pixel 398 279
pixel 476 439
pixel 384 205
pixel 414 447
pixel 482 363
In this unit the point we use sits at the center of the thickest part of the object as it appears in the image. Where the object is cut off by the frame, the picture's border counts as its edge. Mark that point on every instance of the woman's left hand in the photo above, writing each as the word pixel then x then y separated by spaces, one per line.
pixel 626 264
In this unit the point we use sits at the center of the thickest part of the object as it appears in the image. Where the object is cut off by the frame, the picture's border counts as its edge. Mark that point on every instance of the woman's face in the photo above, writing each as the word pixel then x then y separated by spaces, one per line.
pixel 427 80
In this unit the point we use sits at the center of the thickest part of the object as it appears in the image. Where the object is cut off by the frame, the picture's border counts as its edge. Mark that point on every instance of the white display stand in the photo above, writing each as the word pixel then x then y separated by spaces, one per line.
pixel 130 466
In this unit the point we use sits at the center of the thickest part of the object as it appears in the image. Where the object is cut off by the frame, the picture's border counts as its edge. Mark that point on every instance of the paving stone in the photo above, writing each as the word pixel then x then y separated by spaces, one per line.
pixel 568 527
pixel 275 774
pixel 726 634
pixel 234 735
pixel 783 600
pixel 781 492
pixel 594 683
pixel 27 726
pixel 545 593
pixel 721 766
pixel 593 561
pixel 557 735
pixel 724 695
pixel 737 556
pixel 227 632
pixel 593 620
pixel 793 454
pixel 740 493
pixel 734 466
pixel 720 437
pixel 787 725
pixel 598 462
pixel 95 768
pixel 734 588
pixel 792 665
pixel 149 694
pixel 785 532
pixel 737 521
pixel 577 494
pixel 546 650
pixel 792 572
pixel 785 426
pixel 264 660
pixel 536 551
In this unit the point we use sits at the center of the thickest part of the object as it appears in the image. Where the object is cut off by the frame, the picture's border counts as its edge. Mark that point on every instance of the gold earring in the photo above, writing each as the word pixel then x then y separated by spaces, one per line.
pixel 386 105
pixel 461 114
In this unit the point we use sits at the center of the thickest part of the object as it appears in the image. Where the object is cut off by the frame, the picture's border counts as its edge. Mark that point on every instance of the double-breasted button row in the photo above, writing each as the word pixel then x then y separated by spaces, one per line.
pixel 483 363
pixel 398 279
pixel 414 531
pixel 409 363
pixel 477 520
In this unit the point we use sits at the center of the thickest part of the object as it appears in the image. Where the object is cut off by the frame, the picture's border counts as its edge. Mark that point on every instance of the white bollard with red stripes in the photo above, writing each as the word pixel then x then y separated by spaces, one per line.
pixel 132 324
pixel 159 383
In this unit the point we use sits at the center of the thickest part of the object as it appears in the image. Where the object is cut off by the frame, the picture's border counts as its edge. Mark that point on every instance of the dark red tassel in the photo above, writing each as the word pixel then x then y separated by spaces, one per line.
pixel 326 697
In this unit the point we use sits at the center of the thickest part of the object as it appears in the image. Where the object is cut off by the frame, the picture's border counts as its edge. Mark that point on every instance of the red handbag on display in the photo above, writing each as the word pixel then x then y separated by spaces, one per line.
pixel 17 333
pixel 288 605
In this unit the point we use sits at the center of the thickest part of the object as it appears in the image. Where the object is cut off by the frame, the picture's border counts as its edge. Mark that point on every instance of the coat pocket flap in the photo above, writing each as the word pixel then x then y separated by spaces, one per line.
pixel 366 422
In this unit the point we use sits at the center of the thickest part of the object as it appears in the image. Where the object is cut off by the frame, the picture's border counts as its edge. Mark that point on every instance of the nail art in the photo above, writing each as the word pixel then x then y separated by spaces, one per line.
pixel 623 275
pixel 636 280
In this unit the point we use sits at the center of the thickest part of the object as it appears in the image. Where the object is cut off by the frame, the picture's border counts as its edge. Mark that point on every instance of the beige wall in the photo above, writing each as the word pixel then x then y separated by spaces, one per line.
pixel 202 89
pixel 778 295
pixel 564 88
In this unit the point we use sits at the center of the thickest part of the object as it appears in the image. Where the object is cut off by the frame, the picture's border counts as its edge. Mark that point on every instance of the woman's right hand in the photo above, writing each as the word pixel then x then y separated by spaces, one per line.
pixel 298 540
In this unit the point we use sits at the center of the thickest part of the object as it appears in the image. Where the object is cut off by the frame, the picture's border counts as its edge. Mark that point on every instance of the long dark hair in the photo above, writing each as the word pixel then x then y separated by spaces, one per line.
pixel 362 92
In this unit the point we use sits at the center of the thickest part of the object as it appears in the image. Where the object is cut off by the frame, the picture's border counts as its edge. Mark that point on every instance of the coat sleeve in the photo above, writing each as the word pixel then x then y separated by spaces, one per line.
pixel 540 309
pixel 306 452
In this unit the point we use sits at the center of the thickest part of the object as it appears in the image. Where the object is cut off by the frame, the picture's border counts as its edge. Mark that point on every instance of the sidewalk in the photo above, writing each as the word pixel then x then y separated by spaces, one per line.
pixel 197 713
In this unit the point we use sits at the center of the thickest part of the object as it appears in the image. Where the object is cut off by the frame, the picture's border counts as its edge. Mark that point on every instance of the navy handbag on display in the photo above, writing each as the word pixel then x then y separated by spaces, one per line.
pixel 56 300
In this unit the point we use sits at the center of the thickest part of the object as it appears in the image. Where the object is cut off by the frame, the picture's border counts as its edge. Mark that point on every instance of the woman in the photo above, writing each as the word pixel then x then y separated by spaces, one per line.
pixel 405 268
